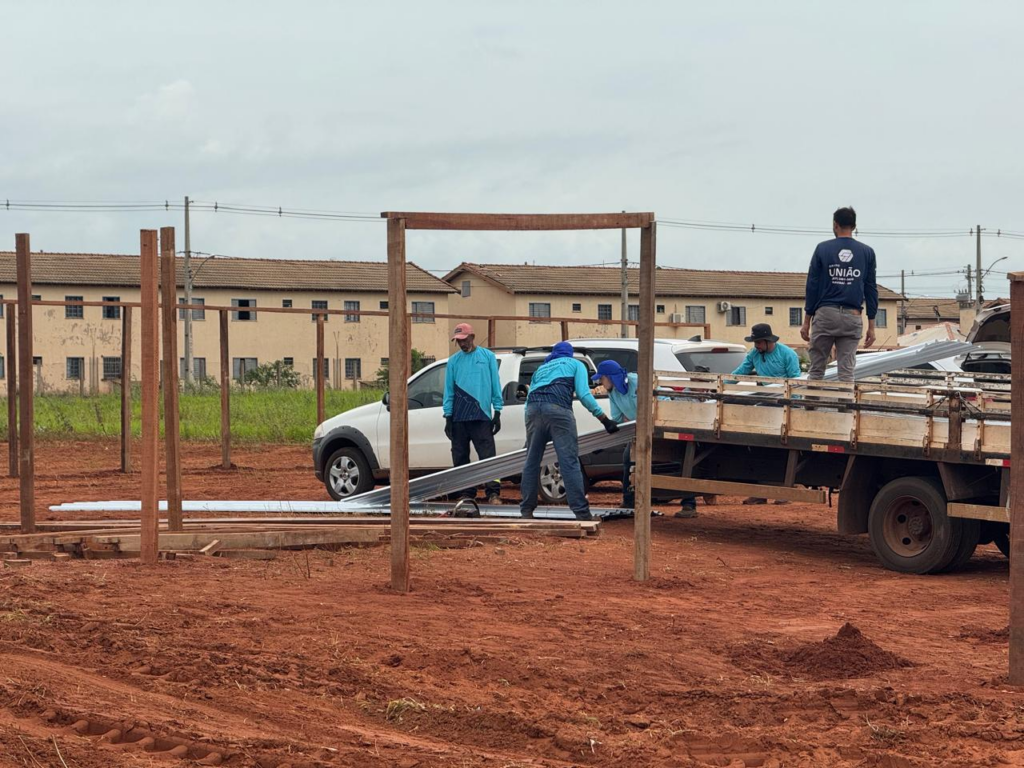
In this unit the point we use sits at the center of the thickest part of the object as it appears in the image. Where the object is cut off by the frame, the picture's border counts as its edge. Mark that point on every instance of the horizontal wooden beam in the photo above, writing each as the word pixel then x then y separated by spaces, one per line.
pixel 979 512
pixel 521 221
pixel 723 488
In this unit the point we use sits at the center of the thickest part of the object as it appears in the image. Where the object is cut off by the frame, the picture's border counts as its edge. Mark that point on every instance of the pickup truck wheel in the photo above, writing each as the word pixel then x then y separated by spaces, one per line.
pixel 347 474
pixel 909 529
pixel 1002 540
pixel 552 487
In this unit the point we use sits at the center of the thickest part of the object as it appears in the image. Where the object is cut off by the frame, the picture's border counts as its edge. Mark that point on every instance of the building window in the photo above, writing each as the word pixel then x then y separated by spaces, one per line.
pixel 540 309
pixel 327 368
pixel 198 368
pixel 882 318
pixel 37 297
pixel 351 306
pixel 197 314
pixel 466 287
pixel 429 359
pixel 423 308
pixel 796 316
pixel 353 368
pixel 321 304
pixel 659 308
pixel 112 368
pixel 384 305
pixel 244 313
pixel 769 310
pixel 289 361
pixel 109 313
pixel 241 366
pixel 3 368
pixel 37 361
pixel 383 362
pixel 74 311
pixel 1 309
pixel 604 311
pixel 736 316
pixel 286 303
pixel 633 312
pixel 75 366
pixel 577 307
pixel 696 314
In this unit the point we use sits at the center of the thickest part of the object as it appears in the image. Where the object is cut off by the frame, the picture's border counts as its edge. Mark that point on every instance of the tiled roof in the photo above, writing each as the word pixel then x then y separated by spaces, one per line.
pixel 924 309
pixel 530 278
pixel 222 272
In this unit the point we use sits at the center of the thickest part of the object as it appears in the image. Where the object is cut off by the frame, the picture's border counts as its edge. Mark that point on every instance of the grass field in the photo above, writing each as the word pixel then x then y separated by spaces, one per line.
pixel 278 416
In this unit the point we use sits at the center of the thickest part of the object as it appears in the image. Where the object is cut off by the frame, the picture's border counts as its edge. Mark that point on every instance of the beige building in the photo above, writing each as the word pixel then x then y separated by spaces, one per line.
pixel 730 302
pixel 78 348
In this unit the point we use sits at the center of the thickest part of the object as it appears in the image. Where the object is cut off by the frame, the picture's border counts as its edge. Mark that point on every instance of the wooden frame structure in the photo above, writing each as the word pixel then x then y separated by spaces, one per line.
pixel 1016 498
pixel 400 352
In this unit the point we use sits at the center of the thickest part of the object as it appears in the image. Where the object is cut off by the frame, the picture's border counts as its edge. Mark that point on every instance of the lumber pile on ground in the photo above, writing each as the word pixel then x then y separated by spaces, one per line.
pixel 246 537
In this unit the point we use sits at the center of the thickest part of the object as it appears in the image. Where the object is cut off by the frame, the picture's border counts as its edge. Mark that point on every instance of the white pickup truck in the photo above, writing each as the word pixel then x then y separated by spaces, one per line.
pixel 351 451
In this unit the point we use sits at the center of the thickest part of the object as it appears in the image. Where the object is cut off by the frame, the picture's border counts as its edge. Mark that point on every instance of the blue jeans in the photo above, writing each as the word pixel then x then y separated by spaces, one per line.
pixel 547 422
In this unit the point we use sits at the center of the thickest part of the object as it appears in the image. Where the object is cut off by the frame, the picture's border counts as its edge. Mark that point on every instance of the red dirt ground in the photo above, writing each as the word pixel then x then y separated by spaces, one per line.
pixel 764 639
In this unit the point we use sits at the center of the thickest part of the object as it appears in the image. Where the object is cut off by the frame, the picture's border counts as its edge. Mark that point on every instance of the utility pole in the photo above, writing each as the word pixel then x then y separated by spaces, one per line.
pixel 624 332
pixel 903 302
pixel 188 300
pixel 977 271
pixel 970 282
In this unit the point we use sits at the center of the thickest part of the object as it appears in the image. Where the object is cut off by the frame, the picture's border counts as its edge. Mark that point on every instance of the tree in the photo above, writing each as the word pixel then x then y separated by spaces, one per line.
pixel 418 361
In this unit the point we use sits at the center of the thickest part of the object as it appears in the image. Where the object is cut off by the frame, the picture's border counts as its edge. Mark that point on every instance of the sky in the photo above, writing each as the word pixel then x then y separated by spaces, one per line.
pixel 745 112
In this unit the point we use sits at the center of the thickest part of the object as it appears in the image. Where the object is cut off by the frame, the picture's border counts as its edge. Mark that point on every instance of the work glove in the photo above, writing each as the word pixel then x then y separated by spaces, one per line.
pixel 609 426
pixel 496 423
pixel 448 427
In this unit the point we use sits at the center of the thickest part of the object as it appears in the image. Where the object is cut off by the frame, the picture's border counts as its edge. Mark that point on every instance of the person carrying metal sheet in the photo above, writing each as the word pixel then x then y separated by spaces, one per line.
pixel 549 418
pixel 472 405
pixel 840 287
pixel 621 387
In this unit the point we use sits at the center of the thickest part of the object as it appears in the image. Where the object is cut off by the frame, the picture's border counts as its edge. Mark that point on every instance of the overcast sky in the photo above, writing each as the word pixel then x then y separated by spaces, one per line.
pixel 747 112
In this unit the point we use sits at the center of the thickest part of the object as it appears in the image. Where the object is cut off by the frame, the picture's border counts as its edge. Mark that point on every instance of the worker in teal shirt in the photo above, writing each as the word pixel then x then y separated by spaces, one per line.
pixel 768 357
pixel 621 387
pixel 472 405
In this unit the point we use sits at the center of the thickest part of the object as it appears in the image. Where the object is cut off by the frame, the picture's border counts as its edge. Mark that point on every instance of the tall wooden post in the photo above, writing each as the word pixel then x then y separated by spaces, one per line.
pixel 399 352
pixel 565 330
pixel 172 427
pixel 225 393
pixel 320 377
pixel 1017 480
pixel 492 332
pixel 150 342
pixel 26 403
pixel 644 408
pixel 12 390
pixel 126 389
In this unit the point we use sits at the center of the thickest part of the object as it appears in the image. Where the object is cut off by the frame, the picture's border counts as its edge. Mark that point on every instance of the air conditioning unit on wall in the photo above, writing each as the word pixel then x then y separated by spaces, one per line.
pixel 724 306
pixel 675 318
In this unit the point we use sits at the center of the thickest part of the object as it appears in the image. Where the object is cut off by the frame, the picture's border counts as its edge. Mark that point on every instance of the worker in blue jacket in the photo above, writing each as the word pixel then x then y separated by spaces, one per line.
pixel 472 405
pixel 549 418
pixel 768 357
pixel 621 387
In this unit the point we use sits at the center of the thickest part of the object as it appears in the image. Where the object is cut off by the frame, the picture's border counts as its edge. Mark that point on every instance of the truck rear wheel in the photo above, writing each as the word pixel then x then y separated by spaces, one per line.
pixel 910 531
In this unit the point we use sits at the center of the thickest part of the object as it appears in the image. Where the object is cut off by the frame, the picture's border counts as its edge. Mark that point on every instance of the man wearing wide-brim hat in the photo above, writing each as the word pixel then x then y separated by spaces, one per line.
pixel 768 357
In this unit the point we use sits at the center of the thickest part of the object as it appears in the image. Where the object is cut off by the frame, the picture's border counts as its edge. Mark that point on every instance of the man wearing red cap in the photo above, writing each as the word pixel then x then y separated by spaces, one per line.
pixel 472 405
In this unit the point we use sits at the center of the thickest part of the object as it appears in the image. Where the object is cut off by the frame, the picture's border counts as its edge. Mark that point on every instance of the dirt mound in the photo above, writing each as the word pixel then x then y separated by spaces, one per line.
pixel 847 654
pixel 984 635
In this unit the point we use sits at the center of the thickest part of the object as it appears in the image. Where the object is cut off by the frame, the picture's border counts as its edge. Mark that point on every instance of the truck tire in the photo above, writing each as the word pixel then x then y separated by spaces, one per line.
pixel 970 536
pixel 347 474
pixel 909 529
pixel 1002 541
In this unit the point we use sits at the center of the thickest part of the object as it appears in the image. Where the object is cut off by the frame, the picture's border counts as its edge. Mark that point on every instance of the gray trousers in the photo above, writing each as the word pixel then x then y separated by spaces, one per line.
pixel 834 327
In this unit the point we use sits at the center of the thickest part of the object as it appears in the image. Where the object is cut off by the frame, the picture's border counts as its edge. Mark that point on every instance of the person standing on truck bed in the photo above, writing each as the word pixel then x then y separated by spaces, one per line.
pixel 840 282
pixel 472 392
pixel 768 357
pixel 621 387
pixel 549 418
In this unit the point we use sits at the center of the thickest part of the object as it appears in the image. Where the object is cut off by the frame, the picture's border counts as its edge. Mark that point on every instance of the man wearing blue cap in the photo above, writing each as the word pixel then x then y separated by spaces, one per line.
pixel 621 387
pixel 549 418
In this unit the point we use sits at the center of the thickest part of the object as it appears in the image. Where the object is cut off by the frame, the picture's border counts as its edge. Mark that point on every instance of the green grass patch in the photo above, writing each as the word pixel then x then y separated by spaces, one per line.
pixel 276 415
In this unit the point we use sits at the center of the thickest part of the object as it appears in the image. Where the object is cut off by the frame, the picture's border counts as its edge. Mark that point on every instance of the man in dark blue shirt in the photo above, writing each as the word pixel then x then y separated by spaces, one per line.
pixel 840 287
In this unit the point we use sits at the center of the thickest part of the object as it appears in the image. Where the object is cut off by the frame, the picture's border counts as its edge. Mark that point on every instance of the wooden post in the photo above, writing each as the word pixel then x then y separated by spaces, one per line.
pixel 225 393
pixel 492 331
pixel 12 390
pixel 150 342
pixel 644 408
pixel 126 389
pixel 1017 481
pixel 565 330
pixel 320 369
pixel 172 427
pixel 399 352
pixel 26 444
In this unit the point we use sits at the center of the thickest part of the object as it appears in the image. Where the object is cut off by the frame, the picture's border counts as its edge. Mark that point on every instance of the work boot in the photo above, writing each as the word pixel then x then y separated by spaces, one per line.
pixel 584 515
pixel 687 511
pixel 526 513
pixel 494 499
